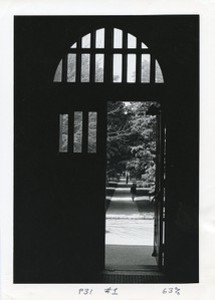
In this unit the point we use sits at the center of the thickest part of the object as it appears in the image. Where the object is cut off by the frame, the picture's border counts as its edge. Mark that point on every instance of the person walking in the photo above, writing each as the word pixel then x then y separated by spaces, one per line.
pixel 127 176
pixel 133 191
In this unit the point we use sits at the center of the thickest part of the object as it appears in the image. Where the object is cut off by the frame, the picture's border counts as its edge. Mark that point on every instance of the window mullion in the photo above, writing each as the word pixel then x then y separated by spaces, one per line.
pixel 71 132
pixel 138 63
pixel 92 57
pixel 108 60
pixel 85 132
pixel 64 68
pixel 124 63
pixel 152 69
pixel 78 62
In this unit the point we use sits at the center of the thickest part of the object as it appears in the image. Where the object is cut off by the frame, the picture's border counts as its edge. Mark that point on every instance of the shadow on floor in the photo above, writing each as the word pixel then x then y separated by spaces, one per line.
pixel 129 256
pixel 144 206
pixel 134 278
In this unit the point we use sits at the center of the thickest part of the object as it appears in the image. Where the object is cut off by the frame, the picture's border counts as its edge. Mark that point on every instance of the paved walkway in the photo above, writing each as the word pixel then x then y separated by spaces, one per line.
pixel 121 206
pixel 129 232
pixel 129 228
pixel 125 224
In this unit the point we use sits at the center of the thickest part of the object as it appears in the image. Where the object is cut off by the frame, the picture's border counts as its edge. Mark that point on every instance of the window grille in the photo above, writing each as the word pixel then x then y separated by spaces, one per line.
pixel 77 132
pixel 129 57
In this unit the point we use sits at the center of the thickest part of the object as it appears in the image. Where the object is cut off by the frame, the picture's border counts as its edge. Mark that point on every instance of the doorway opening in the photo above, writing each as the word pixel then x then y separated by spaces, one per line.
pixel 131 185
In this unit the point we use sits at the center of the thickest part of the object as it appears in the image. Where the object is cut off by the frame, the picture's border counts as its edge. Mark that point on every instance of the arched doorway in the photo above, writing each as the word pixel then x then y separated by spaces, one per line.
pixel 111 56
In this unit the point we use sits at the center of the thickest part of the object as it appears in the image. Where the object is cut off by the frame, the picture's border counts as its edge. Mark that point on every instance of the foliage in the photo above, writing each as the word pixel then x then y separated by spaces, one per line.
pixel 131 140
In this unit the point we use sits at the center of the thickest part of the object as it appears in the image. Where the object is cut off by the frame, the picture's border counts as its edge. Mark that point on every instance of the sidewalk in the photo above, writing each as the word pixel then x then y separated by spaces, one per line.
pixel 125 224
pixel 121 206
pixel 129 228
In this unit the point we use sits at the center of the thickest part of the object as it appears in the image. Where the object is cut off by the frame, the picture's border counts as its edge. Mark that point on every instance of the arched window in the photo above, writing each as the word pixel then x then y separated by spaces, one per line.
pixel 129 59
pixel 106 55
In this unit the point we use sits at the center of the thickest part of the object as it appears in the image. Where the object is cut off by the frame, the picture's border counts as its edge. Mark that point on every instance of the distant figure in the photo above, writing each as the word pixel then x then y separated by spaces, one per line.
pixel 133 191
pixel 127 176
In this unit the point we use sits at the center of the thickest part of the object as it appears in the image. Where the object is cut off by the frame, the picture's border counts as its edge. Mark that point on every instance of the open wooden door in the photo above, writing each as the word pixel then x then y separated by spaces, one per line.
pixel 159 194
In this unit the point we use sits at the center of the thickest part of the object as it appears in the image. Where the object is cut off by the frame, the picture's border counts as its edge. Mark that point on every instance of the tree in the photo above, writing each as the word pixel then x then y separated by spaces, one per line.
pixel 131 139
pixel 118 132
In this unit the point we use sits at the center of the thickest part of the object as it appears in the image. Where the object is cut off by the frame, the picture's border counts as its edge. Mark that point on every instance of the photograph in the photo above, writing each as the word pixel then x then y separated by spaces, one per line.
pixel 106 149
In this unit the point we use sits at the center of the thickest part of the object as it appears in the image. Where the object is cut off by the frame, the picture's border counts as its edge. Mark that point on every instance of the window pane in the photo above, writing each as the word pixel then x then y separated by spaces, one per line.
pixel 117 38
pixel 117 68
pixel 78 132
pixel 131 68
pixel 74 45
pixel 143 46
pixel 58 73
pixel 145 68
pixel 132 41
pixel 85 67
pixel 85 41
pixel 158 73
pixel 92 132
pixel 71 68
pixel 100 38
pixel 99 68
pixel 63 133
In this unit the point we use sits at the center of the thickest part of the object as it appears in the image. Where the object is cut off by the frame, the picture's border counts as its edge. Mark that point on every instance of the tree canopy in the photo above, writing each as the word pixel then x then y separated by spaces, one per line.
pixel 131 140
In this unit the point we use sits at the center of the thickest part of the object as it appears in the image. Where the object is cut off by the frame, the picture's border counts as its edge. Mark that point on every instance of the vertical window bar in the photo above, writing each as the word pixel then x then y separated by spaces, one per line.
pixel 124 63
pixel 85 131
pixel 78 63
pixel 152 70
pixel 138 63
pixel 108 64
pixel 64 69
pixel 92 60
pixel 78 132
pixel 63 133
pixel 92 132
pixel 71 133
